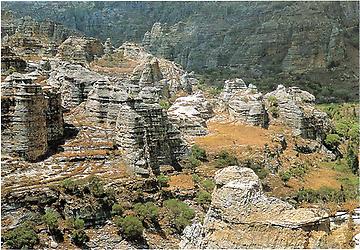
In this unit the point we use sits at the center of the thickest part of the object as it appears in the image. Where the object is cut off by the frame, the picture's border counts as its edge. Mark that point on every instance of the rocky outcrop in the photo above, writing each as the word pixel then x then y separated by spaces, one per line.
pixel 190 114
pixel 243 103
pixel 80 49
pixel 242 216
pixel 9 60
pixel 142 129
pixel 31 117
pixel 296 109
pixel 147 137
pixel 74 82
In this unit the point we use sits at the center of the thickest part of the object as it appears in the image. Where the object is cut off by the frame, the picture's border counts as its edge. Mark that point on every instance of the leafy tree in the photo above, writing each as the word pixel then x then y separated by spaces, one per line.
pixel 130 226
pixel 51 219
pixel 352 159
pixel 23 236
pixel 180 213
pixel 146 212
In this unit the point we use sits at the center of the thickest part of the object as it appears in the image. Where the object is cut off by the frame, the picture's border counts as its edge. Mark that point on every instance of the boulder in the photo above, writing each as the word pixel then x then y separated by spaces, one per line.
pixel 242 216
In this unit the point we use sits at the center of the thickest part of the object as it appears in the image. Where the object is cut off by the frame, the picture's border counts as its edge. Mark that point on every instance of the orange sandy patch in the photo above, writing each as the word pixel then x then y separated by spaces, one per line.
pixel 230 135
pixel 322 178
pixel 182 181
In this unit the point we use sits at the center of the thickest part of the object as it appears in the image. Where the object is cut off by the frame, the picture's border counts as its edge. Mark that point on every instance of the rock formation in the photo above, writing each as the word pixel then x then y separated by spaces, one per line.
pixel 80 49
pixel 242 216
pixel 74 82
pixel 190 113
pixel 296 109
pixel 243 103
pixel 9 60
pixel 147 137
pixel 31 117
pixel 142 129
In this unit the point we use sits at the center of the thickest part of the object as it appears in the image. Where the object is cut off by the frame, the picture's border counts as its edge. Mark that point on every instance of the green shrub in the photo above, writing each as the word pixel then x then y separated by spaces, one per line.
pixel 203 198
pixel 51 219
pixel 224 159
pixel 146 212
pixel 198 153
pixel 193 162
pixel 180 213
pixel 324 194
pixel 285 176
pixel 274 111
pixel 332 140
pixel 208 184
pixel 130 226
pixel 96 187
pixel 196 178
pixel 78 234
pixel 117 209
pixel 164 104
pixel 352 159
pixel 23 236
pixel 273 101
pixel 163 180
pixel 69 185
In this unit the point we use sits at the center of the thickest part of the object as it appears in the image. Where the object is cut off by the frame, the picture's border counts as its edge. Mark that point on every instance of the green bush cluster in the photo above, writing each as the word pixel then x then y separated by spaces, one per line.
pixel 146 212
pixel 180 213
pixel 77 228
pixel 224 159
pixel 163 180
pixel 164 104
pixel 208 184
pixel 203 198
pixel 273 106
pixel 117 209
pixel 51 219
pixel 298 171
pixel 197 156
pixel 23 236
pixel 333 141
pixel 324 194
pixel 130 226
pixel 259 170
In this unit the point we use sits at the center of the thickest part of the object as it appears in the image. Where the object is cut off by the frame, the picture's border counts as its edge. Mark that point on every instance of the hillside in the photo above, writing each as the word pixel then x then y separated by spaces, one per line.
pixel 313 45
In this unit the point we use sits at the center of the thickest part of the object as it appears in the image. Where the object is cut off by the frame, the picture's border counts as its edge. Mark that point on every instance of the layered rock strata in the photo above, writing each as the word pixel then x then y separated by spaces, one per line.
pixel 80 49
pixel 74 82
pixel 243 103
pixel 31 117
pixel 296 108
pixel 190 114
pixel 242 216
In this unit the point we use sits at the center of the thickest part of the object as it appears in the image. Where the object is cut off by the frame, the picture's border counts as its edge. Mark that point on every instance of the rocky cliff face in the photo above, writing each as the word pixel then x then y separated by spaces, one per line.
pixel 81 50
pixel 242 216
pixel 31 117
pixel 296 109
pixel 74 82
pixel 190 114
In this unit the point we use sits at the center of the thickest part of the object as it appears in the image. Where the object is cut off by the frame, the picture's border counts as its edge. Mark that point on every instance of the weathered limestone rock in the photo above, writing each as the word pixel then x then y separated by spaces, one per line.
pixel 80 49
pixel 243 103
pixel 296 109
pixel 31 117
pixel 242 216
pixel 147 137
pixel 10 60
pixel 190 113
pixel 74 82
pixel 108 48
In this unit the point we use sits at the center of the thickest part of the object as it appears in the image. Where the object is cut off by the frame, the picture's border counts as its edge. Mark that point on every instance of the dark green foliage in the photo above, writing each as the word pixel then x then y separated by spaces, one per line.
pixel 130 226
pixel 51 219
pixel 324 194
pixel 146 212
pixel 180 213
pixel 332 140
pixel 117 209
pixel 24 236
pixel 352 159
pixel 198 153
pixel 203 198
pixel 96 187
pixel 164 104
pixel 78 234
pixel 163 180
pixel 69 185
pixel 285 176
pixel 224 159
pixel 196 178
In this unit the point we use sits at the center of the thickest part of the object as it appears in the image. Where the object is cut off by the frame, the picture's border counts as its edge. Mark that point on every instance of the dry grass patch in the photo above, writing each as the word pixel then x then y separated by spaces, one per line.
pixel 181 181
